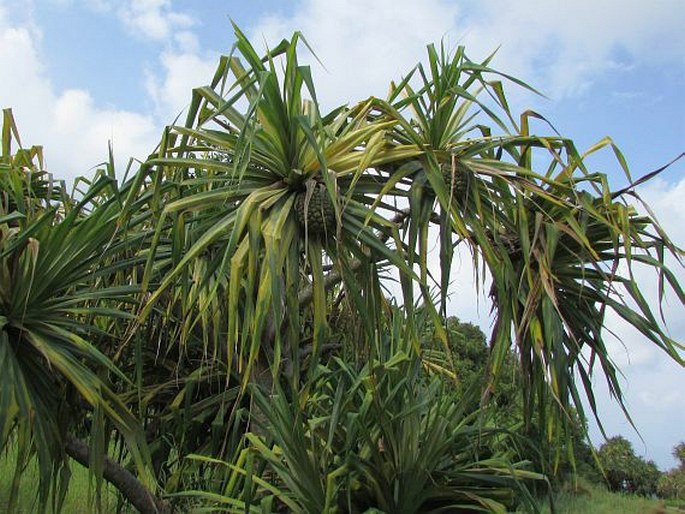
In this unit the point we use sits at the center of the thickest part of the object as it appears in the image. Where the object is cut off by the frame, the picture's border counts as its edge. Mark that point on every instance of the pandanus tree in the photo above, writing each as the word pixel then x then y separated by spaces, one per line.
pixel 59 301
pixel 277 193
pixel 219 272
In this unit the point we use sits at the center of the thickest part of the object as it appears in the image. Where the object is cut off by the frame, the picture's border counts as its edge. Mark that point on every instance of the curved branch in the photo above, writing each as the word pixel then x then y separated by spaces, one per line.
pixel 124 481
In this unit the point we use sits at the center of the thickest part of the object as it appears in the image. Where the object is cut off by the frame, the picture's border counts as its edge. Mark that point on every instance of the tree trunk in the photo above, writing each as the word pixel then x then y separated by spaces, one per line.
pixel 125 482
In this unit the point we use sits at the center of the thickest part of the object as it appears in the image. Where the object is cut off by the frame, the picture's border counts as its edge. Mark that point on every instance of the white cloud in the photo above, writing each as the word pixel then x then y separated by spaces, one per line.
pixel 655 398
pixel 667 202
pixel 560 47
pixel 363 44
pixel 73 130
pixel 146 19
pixel 181 66
pixel 181 72
pixel 567 44
pixel 95 5
pixel 153 19
pixel 70 124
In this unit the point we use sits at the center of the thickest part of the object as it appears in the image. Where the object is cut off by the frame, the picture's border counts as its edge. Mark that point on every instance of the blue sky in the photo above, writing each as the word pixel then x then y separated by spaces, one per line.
pixel 79 73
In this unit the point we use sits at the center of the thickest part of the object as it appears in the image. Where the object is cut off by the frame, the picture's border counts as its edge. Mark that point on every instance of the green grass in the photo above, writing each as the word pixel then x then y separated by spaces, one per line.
pixel 583 499
pixel 586 498
pixel 79 499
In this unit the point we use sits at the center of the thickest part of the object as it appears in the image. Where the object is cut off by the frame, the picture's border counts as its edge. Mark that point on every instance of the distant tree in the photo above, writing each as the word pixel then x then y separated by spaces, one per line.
pixel 647 478
pixel 469 357
pixel 625 471
pixel 466 361
pixel 679 453
pixel 672 483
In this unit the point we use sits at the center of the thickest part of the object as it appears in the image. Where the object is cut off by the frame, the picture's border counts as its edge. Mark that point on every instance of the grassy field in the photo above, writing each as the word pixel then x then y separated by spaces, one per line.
pixel 584 499
pixel 593 499
pixel 78 500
